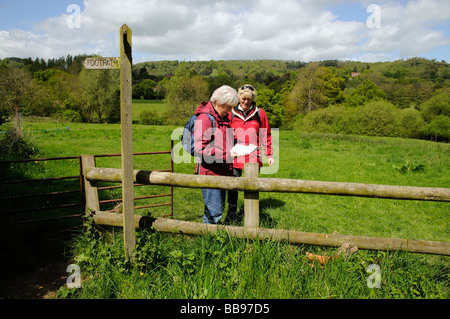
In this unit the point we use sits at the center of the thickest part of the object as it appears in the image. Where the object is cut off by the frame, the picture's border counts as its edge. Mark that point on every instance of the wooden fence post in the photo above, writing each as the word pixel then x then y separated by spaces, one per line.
pixel 127 141
pixel 251 199
pixel 91 192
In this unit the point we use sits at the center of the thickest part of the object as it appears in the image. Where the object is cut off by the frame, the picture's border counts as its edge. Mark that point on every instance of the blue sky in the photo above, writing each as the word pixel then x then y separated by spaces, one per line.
pixel 298 30
pixel 20 14
pixel 350 11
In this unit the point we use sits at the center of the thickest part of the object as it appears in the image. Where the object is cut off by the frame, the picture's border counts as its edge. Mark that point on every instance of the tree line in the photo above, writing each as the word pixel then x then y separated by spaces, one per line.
pixel 404 98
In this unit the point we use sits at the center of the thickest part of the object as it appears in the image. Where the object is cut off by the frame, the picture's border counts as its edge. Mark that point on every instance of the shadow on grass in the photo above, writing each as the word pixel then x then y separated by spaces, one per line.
pixel 265 205
pixel 265 220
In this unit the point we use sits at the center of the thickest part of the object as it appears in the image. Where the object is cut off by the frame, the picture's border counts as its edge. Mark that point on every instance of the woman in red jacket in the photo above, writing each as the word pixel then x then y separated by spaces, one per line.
pixel 251 126
pixel 212 143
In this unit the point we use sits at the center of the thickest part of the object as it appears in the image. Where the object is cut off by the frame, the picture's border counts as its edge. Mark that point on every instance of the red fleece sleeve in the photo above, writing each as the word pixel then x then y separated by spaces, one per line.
pixel 265 134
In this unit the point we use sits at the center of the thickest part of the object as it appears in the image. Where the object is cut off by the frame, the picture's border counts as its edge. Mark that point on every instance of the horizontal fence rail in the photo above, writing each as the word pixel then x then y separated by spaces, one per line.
pixel 332 240
pixel 257 184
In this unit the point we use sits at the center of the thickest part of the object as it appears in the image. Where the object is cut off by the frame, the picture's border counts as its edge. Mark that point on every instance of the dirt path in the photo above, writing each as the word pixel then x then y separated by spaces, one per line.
pixel 33 272
pixel 38 283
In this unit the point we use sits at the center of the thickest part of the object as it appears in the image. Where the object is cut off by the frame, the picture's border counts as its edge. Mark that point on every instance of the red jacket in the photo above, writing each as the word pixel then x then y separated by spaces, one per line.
pixel 213 151
pixel 251 129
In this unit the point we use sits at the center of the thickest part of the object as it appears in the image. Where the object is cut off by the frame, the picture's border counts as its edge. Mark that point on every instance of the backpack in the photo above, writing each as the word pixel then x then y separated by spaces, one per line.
pixel 187 139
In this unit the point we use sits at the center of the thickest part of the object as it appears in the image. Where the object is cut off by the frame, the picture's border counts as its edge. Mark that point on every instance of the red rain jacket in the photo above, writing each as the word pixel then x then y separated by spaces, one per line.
pixel 251 129
pixel 213 151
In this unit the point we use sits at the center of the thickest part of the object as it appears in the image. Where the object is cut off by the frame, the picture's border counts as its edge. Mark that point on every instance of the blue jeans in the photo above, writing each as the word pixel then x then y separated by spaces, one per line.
pixel 214 205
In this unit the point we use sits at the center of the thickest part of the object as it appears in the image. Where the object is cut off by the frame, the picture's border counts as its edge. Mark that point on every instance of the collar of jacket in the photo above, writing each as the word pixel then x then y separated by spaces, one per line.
pixel 252 112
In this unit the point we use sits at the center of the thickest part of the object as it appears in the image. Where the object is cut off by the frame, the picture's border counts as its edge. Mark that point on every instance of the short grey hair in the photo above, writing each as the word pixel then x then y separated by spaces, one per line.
pixel 225 95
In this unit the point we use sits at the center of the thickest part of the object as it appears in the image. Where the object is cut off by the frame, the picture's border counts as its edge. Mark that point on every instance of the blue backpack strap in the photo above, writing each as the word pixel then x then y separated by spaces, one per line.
pixel 187 138
pixel 213 122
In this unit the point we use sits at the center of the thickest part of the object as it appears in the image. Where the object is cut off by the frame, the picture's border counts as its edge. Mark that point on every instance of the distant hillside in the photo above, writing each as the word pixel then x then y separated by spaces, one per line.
pixel 259 71
pixel 266 71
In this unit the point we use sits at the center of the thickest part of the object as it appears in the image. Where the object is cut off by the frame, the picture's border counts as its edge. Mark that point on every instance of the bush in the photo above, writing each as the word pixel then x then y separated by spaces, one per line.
pixel 16 147
pixel 150 118
pixel 327 120
pixel 438 129
pixel 376 119
pixel 435 106
pixel 71 116
pixel 411 122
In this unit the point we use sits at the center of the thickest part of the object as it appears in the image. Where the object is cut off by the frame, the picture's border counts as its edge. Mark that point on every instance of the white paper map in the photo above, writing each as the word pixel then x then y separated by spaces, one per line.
pixel 242 149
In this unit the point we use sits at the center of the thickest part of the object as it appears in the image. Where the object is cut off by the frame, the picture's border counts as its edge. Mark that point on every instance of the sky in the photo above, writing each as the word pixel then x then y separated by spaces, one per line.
pixel 193 30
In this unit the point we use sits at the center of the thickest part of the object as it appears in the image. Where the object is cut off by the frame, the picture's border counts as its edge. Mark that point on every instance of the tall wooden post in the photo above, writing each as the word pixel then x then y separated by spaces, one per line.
pixel 127 141
pixel 251 199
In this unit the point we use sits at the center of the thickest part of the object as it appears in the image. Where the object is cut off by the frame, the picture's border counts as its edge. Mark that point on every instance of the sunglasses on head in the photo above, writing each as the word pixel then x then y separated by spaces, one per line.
pixel 247 87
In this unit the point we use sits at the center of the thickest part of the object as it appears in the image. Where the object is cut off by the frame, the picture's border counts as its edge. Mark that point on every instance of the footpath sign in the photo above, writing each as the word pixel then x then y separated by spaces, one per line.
pixel 99 63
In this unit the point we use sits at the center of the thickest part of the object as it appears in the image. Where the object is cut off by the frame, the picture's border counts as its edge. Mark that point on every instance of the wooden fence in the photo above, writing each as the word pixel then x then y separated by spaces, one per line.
pixel 251 184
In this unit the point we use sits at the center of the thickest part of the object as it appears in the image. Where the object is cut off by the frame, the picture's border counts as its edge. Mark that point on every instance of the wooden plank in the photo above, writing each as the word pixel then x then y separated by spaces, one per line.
pixel 91 191
pixel 320 239
pixel 127 140
pixel 251 199
pixel 275 185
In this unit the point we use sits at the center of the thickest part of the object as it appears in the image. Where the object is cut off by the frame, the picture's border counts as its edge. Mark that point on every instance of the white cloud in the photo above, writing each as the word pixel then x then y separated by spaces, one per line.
pixel 236 29
pixel 409 29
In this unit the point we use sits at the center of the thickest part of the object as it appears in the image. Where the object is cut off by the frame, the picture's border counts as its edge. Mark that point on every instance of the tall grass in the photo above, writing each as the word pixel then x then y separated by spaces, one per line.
pixel 221 266
pixel 217 266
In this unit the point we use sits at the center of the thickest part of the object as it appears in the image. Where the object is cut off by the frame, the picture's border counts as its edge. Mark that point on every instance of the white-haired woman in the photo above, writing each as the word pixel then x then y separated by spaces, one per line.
pixel 212 147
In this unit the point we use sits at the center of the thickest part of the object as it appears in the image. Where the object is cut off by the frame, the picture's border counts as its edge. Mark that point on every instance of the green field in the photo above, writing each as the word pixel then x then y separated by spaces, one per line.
pixel 148 105
pixel 217 266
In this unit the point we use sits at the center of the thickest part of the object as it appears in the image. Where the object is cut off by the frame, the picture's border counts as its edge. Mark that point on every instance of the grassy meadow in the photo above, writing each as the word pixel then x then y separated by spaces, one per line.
pixel 218 266
pixel 148 105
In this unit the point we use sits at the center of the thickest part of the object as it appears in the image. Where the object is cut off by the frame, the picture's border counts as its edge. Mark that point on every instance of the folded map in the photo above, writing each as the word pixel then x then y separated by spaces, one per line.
pixel 242 149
